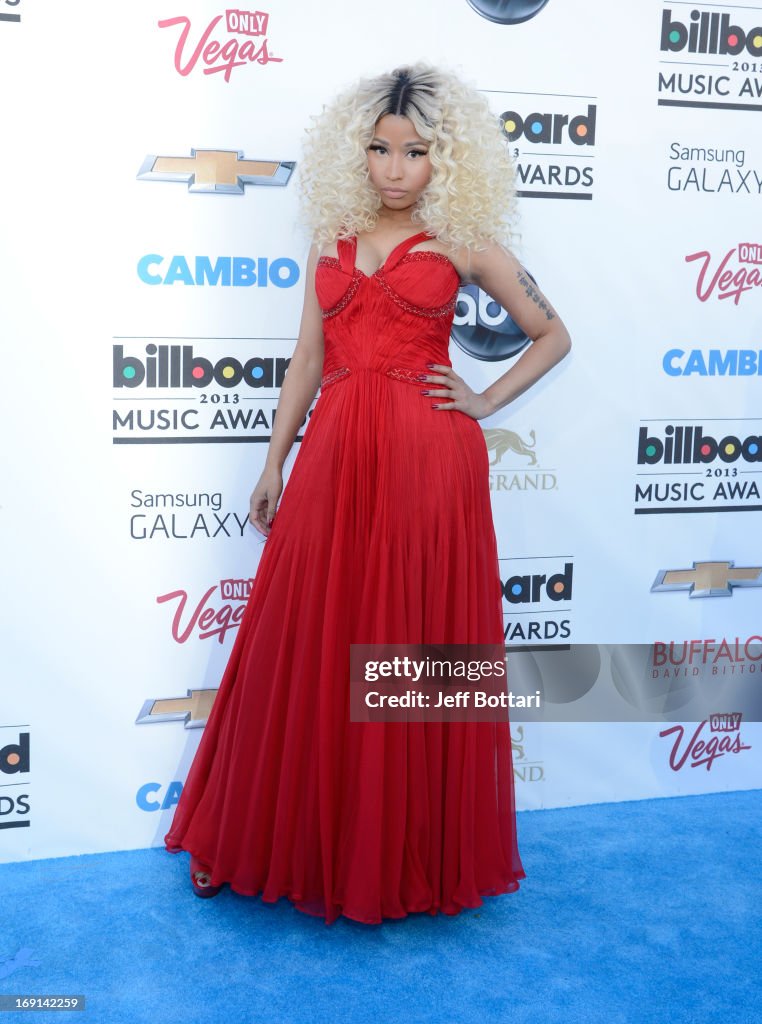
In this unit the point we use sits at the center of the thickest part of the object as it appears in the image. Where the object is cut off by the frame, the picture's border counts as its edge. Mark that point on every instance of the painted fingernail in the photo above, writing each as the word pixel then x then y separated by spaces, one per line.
pixel 425 392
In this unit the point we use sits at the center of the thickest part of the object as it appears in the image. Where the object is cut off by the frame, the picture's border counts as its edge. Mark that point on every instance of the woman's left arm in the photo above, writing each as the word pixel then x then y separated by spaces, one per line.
pixel 500 275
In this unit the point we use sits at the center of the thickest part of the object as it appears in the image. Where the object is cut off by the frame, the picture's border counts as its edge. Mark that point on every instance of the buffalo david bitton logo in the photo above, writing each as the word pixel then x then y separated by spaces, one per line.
pixel 222 171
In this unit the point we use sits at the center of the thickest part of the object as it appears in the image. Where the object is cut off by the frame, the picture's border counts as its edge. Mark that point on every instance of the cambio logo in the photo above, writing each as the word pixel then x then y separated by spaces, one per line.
pixel 507 12
pixel 228 271
pixel 729 362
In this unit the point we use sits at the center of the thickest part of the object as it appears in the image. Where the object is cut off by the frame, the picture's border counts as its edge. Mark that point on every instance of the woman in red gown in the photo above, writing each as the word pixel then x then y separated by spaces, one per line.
pixel 384 533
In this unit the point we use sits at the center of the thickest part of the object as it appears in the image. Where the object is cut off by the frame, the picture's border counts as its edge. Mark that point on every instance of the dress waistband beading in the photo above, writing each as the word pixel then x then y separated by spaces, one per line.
pixel 404 373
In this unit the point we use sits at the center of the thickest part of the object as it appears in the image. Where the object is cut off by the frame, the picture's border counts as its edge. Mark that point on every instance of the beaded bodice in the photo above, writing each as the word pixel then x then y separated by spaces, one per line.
pixel 393 321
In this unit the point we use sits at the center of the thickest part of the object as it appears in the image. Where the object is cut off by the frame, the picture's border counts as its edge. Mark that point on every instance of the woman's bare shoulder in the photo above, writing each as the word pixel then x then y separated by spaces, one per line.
pixel 329 249
pixel 469 260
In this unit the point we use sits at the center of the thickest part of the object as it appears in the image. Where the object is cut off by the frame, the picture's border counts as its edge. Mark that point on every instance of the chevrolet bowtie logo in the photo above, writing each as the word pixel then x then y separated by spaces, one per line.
pixel 216 170
pixel 192 710
pixel 709 579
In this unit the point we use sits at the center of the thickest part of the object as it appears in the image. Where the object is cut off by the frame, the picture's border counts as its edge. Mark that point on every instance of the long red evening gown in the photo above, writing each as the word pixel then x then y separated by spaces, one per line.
pixel 384 534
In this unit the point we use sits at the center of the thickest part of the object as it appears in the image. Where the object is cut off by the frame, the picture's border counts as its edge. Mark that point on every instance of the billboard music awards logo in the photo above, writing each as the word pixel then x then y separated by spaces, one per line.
pixel 230 40
pixel 694 467
pixel 192 394
pixel 6 15
pixel 215 614
pixel 14 766
pixel 711 59
pixel 730 275
pixel 552 142
pixel 702 747
pixel 537 596
pixel 188 515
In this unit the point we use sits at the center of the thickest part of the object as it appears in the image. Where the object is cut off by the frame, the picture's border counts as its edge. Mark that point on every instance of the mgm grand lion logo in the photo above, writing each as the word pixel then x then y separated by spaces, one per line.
pixel 501 441
pixel 517 744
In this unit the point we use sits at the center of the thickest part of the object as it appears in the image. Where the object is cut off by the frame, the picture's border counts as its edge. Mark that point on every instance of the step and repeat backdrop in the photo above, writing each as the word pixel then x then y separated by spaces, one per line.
pixel 153 272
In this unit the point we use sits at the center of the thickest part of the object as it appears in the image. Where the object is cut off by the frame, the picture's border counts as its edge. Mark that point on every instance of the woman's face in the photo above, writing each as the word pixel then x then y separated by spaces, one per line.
pixel 398 162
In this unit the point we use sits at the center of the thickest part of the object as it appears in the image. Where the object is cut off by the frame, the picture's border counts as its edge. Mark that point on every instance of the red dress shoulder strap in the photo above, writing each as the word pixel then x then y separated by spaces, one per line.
pixel 399 250
pixel 346 250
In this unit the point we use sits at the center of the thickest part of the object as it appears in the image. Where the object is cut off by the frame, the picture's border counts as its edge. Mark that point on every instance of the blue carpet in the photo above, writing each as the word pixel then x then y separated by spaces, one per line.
pixel 637 912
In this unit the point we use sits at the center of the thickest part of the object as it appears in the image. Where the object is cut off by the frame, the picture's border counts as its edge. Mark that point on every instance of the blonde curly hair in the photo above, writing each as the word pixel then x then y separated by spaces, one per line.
pixel 471 197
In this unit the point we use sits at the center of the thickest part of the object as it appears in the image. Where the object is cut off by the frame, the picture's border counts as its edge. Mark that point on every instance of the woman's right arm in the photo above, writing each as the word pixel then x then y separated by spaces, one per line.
pixel 300 385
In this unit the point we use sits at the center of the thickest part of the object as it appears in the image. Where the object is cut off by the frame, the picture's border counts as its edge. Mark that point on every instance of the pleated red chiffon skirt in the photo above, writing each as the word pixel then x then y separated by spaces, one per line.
pixel 384 534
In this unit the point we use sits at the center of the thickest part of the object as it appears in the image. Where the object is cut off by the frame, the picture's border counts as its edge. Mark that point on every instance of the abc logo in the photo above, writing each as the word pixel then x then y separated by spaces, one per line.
pixel 507 12
pixel 14 757
pixel 483 329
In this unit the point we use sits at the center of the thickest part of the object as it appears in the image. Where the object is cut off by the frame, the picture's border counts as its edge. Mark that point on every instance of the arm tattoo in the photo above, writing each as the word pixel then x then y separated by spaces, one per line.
pixel 535 295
